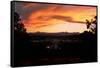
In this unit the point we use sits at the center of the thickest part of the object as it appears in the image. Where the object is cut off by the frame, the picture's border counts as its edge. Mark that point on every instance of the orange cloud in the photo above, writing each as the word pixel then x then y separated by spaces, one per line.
pixel 47 16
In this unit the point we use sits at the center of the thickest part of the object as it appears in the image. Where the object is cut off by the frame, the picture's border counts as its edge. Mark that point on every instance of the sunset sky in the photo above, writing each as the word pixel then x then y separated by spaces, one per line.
pixel 42 17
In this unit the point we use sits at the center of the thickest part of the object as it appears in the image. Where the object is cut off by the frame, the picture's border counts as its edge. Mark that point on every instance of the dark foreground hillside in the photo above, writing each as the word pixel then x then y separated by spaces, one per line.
pixel 45 48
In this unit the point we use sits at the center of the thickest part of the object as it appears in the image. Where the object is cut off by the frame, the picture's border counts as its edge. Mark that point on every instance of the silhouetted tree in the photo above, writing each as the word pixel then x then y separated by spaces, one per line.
pixel 22 40
pixel 18 25
pixel 91 25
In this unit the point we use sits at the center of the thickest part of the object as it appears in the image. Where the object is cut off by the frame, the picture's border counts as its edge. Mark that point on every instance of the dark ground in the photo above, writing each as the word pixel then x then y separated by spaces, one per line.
pixel 46 49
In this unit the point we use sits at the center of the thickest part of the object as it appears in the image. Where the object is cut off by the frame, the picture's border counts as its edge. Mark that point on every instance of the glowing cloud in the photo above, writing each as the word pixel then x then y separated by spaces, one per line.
pixel 54 17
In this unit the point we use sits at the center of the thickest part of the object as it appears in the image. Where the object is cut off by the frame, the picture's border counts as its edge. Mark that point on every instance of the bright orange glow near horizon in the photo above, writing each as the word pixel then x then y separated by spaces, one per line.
pixel 56 17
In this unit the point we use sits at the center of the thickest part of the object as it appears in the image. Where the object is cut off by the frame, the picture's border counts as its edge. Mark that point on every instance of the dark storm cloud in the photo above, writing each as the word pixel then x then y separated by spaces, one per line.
pixel 25 9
